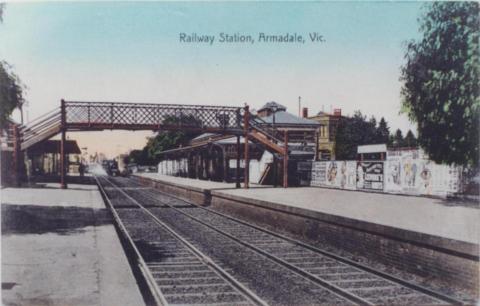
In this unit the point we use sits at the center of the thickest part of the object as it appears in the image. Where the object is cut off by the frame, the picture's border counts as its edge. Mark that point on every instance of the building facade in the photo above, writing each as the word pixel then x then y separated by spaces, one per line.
pixel 326 134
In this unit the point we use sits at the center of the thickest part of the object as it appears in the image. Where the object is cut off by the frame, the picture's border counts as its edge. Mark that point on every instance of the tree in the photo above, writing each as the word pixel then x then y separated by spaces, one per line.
pixel 166 140
pixel 441 82
pixel 11 88
pixel 2 7
pixel 352 132
pixel 410 140
pixel 398 140
pixel 383 131
pixel 11 92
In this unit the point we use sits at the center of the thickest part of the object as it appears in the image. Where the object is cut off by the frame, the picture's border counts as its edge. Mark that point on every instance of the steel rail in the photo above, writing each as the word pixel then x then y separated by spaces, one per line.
pixel 152 285
pixel 379 273
pixel 250 295
pixel 311 277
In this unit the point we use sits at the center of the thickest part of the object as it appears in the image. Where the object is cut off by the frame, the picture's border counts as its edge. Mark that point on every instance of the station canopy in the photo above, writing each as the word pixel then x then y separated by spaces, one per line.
pixel 53 146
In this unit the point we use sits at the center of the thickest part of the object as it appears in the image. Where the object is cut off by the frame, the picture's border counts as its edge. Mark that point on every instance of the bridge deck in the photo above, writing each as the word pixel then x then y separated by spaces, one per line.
pixel 144 116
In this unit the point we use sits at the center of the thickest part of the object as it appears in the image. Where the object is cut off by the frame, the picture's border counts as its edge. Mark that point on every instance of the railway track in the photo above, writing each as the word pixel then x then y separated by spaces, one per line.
pixel 175 271
pixel 336 279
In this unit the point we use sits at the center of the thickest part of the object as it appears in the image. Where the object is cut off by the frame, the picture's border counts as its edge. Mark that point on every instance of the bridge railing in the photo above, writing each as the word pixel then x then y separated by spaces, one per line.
pixel 139 116
pixel 41 128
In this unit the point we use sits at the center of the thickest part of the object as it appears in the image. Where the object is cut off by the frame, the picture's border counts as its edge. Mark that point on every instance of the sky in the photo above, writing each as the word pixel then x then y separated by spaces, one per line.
pixel 131 51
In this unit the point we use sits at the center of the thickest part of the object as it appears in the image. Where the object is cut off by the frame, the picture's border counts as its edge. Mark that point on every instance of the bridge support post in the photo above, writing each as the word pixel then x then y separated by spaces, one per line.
pixel 63 168
pixel 246 157
pixel 16 156
pixel 237 173
pixel 285 161
pixel 225 164
pixel 274 169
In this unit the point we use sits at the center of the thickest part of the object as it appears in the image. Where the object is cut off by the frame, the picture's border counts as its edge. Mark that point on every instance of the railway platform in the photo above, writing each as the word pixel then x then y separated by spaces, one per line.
pixel 434 238
pixel 60 247
pixel 451 219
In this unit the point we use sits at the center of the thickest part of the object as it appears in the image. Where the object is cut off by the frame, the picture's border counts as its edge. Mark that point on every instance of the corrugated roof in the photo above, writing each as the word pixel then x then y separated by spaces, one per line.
pixel 287 118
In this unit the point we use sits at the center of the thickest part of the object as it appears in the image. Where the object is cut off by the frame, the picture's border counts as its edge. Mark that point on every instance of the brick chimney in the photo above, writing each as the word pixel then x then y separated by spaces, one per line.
pixel 337 112
pixel 305 112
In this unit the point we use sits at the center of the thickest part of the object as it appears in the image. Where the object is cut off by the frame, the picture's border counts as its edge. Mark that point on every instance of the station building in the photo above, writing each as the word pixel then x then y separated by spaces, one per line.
pixel 43 158
pixel 214 156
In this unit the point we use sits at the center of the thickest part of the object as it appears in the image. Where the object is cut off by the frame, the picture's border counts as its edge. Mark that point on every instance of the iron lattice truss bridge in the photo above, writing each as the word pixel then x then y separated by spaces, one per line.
pixel 97 116
pixel 131 116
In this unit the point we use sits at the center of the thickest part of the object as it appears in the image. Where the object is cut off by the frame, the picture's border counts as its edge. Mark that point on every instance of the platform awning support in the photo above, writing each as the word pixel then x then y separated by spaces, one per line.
pixel 16 155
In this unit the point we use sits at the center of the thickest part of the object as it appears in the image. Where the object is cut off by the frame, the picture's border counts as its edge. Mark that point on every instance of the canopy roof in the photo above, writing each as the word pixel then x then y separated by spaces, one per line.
pixel 53 146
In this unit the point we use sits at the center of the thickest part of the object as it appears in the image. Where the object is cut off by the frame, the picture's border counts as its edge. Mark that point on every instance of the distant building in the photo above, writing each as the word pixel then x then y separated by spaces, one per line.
pixel 327 132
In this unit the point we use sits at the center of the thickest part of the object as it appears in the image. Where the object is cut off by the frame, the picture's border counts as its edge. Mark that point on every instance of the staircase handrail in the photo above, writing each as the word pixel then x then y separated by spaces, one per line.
pixel 41 118
pixel 260 125
pixel 52 120
pixel 45 127
pixel 56 118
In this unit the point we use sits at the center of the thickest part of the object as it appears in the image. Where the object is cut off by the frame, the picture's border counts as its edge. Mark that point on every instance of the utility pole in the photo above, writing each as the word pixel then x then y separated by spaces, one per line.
pixel 299 106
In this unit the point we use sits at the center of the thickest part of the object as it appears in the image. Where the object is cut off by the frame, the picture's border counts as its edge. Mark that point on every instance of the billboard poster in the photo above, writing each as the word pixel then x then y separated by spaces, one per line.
pixel 393 170
pixel 319 171
pixel 350 170
pixel 332 175
pixel 370 175
pixel 341 174
pixel 410 172
pixel 336 174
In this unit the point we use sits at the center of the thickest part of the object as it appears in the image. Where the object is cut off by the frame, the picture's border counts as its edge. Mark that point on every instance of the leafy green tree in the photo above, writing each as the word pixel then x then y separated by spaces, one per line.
pixel 383 131
pixel 166 140
pixel 2 7
pixel 398 140
pixel 410 140
pixel 11 88
pixel 11 92
pixel 373 122
pixel 441 82
pixel 352 132
pixel 140 157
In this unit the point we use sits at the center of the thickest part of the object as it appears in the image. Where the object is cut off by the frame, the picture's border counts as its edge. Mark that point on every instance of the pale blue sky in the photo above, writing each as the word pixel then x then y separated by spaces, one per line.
pixel 131 52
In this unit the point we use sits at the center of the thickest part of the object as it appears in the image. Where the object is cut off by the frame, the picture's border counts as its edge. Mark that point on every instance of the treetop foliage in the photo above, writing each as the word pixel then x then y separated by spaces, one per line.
pixel 441 82
pixel 11 92
pixel 11 88
pixel 357 130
